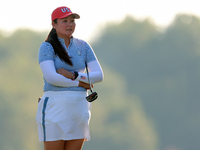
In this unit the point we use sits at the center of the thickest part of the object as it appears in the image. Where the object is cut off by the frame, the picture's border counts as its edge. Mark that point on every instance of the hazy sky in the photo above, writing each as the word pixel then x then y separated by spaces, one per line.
pixel 36 14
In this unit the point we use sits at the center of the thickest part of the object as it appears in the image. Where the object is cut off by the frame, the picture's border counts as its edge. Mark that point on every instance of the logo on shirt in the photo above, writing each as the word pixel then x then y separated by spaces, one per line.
pixel 78 52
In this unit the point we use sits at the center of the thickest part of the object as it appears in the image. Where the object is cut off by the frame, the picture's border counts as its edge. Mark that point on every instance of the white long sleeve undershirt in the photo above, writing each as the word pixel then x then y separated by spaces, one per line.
pixel 95 73
pixel 52 77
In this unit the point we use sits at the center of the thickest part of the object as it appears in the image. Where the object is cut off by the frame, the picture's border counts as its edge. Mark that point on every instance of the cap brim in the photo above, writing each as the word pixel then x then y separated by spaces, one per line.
pixel 76 16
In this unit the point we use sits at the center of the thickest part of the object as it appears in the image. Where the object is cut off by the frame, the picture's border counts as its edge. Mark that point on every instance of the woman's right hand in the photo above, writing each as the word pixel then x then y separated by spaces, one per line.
pixel 84 85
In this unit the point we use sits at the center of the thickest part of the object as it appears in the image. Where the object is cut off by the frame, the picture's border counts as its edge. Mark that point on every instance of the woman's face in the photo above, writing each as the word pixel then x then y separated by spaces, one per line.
pixel 65 27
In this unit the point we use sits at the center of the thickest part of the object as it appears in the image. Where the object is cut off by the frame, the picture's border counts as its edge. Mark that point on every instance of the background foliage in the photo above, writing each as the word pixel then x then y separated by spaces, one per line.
pixel 149 99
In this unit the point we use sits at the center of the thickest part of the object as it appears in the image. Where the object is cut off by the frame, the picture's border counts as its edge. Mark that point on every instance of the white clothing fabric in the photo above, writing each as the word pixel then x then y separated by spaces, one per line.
pixel 95 73
pixel 63 115
pixel 52 77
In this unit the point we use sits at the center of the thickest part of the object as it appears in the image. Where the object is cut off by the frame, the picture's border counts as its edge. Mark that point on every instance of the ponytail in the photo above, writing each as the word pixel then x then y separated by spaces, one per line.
pixel 59 50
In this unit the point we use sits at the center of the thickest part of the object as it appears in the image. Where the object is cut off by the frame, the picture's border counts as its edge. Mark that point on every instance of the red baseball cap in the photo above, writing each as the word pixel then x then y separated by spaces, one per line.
pixel 62 12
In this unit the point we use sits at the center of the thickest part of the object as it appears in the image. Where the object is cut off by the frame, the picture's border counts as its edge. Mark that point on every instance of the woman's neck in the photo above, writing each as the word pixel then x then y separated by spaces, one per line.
pixel 67 40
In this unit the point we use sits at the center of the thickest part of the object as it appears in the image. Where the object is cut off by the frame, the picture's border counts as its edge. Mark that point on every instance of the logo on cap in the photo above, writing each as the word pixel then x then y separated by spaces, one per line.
pixel 65 9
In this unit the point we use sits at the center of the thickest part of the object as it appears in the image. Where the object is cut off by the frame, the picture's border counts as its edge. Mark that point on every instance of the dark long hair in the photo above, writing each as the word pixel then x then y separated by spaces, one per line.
pixel 59 50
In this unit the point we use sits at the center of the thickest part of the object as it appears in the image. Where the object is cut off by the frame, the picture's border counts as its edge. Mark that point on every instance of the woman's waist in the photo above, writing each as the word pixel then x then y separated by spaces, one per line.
pixel 50 87
pixel 65 93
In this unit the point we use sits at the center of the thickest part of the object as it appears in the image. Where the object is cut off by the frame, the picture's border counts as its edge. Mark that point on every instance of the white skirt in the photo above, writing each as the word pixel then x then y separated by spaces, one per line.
pixel 63 115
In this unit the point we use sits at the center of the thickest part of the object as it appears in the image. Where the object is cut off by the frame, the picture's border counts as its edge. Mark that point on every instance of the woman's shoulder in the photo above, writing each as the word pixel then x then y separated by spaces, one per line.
pixel 46 52
pixel 80 41
pixel 46 48
pixel 45 44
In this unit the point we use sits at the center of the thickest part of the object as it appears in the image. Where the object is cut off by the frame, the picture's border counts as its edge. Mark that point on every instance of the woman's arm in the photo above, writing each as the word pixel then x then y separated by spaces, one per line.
pixel 95 73
pixel 52 77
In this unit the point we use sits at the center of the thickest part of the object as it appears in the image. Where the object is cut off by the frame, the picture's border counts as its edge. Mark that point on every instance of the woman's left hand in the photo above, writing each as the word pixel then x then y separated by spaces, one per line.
pixel 64 72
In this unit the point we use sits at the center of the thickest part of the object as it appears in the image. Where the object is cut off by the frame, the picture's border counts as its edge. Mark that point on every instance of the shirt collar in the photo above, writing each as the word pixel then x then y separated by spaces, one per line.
pixel 62 41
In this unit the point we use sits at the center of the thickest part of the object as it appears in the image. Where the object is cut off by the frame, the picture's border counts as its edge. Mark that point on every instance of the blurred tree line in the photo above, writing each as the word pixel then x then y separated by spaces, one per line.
pixel 149 99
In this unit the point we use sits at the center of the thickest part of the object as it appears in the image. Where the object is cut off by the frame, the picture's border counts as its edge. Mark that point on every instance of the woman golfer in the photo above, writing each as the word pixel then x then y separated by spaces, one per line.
pixel 63 113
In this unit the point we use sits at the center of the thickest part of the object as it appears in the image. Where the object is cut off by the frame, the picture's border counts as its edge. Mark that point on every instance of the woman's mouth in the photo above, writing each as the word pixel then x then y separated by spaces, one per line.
pixel 69 30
